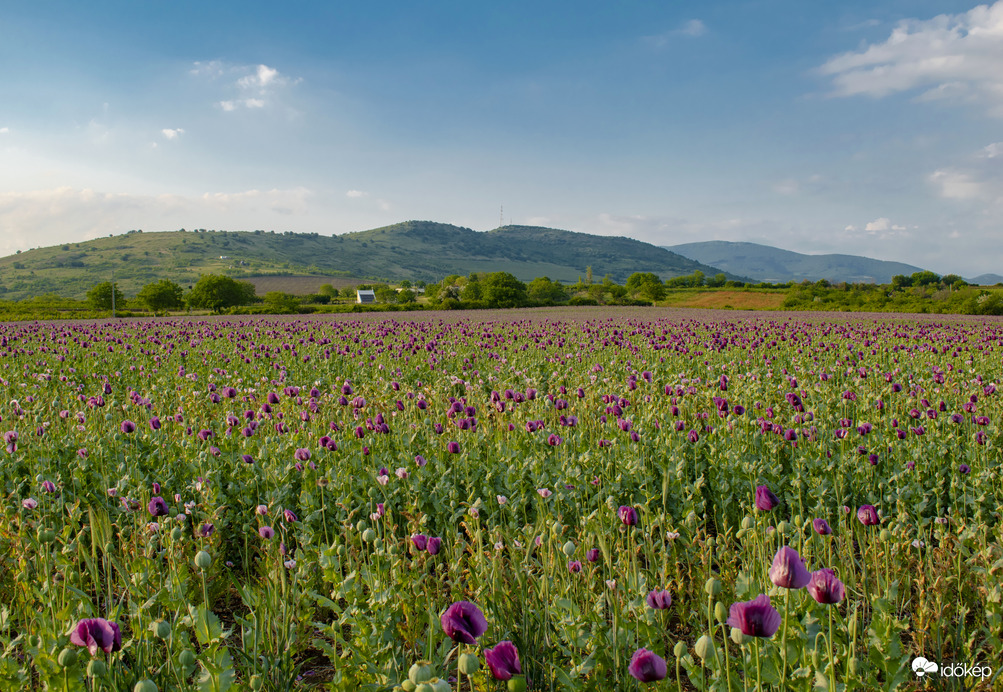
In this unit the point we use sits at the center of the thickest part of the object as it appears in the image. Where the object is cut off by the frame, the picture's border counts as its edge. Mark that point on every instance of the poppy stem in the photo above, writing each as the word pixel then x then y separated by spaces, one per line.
pixel 783 640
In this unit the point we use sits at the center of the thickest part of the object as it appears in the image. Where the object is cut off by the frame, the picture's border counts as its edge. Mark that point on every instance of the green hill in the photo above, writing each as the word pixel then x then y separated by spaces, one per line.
pixel 416 250
pixel 774 265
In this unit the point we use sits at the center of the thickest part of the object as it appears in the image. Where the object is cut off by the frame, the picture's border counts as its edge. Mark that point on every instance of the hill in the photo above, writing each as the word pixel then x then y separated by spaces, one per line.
pixel 415 250
pixel 986 280
pixel 774 265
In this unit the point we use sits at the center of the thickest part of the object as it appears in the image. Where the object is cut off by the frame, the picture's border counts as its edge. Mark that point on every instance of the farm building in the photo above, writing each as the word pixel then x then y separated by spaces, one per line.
pixel 365 296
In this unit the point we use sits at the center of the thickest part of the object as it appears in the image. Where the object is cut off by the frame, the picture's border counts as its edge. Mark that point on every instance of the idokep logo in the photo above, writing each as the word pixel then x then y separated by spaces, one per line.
pixel 922 667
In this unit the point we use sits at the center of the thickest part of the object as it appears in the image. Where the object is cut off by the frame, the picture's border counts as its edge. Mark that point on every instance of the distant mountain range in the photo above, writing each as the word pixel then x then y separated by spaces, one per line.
pixel 986 279
pixel 774 265
pixel 415 250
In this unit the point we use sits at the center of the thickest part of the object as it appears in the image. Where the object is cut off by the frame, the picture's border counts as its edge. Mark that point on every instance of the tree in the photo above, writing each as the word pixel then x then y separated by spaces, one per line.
pixel 717 281
pixel 646 284
pixel 100 296
pixel 925 278
pixel 279 303
pixel 503 290
pixel 160 296
pixel 385 294
pixel 406 296
pixel 328 290
pixel 472 291
pixel 900 281
pixel 405 284
pixel 348 292
pixel 543 289
pixel 216 293
pixel 697 280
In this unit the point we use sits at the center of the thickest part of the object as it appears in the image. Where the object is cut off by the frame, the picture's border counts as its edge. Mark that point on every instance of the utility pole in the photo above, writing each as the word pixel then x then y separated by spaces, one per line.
pixel 113 293
pixel 501 216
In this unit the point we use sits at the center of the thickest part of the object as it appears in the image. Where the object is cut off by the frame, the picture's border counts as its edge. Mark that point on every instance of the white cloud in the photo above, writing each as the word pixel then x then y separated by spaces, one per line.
pixel 172 134
pixel 4 130
pixel 850 229
pixel 882 224
pixel 990 151
pixel 694 27
pixel 355 194
pixel 954 184
pixel 257 86
pixel 787 187
pixel 950 56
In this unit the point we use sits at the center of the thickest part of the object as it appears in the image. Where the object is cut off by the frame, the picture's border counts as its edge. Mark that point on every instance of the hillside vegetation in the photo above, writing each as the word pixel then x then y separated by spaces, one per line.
pixel 414 250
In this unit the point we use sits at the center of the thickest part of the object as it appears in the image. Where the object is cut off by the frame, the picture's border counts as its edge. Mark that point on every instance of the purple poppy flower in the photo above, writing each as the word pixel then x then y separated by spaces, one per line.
pixel 248 459
pixel 647 666
pixel 503 660
pixel 97 633
pixel 266 532
pixel 48 486
pixel 821 527
pixel 592 555
pixel 628 515
pixel 574 566
pixel 463 622
pixel 154 423
pixel 420 541
pixel 434 544
pixel 755 618
pixel 825 587
pixel 867 515
pixel 206 530
pixel 29 503
pixel 158 507
pixel 453 447
pixel 788 571
pixel 659 600
pixel 128 427
pixel 965 469
pixel 302 454
pixel 289 516
pixel 765 499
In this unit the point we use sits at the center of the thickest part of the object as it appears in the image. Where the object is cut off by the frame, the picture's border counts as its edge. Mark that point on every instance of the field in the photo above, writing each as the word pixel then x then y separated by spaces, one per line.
pixel 293 503
pixel 726 299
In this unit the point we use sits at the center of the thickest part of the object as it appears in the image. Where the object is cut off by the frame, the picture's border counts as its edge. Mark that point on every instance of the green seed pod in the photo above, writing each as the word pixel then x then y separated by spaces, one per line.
pixel 361 526
pixel 709 542
pixel 421 671
pixel 853 666
pixel 885 535
pixel 369 535
pixel 712 587
pixel 517 683
pixel 691 519
pixel 816 659
pixel 720 612
pixel 569 549
pixel 67 658
pixel 256 682
pixel 162 629
pixel 146 686
pixel 342 550
pixel 440 685
pixel 680 649
pixel 705 647
pixel 96 668
pixel 176 533
pixel 748 523
pixel 424 687
pixel 407 686
pixel 784 528
pixel 203 560
pixel 187 658
pixel 393 550
pixel 557 528
pixel 34 641
pixel 469 663
pixel 737 636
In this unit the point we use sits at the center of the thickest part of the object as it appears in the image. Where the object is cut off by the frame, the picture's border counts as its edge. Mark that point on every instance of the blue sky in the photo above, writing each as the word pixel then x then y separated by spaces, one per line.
pixel 871 128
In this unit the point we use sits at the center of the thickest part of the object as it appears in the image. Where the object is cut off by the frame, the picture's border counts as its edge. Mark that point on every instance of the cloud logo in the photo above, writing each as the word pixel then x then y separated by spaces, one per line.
pixel 922 666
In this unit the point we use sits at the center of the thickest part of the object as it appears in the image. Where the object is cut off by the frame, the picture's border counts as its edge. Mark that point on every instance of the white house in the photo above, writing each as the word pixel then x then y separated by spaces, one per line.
pixel 365 296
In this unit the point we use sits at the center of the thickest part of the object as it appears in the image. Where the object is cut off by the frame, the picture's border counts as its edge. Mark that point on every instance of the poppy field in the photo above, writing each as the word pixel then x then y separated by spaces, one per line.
pixel 511 500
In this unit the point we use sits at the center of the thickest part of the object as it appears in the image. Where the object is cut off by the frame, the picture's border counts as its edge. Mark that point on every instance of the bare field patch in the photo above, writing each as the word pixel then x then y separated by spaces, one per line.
pixel 298 285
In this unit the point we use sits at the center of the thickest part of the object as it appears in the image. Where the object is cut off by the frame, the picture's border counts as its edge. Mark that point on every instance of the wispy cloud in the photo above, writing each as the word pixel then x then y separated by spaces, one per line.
pixel 4 130
pixel 953 184
pixel 954 57
pixel 253 86
pixel 168 133
pixel 692 28
pixel 355 194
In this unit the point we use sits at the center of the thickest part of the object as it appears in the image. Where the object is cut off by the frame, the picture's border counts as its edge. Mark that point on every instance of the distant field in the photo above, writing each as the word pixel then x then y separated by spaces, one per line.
pixel 725 299
pixel 298 285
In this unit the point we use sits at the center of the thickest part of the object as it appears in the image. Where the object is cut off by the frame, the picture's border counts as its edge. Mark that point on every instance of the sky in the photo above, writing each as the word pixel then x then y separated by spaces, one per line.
pixel 871 128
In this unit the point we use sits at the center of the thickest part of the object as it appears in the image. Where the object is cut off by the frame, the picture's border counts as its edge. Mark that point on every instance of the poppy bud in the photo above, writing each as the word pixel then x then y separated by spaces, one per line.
pixel 712 587
pixel 67 658
pixel 203 560
pixel 420 672
pixel 469 663
pixel 680 649
pixel 720 612
pixel 737 636
pixel 96 668
pixel 705 647
pixel 146 686
pixel 569 549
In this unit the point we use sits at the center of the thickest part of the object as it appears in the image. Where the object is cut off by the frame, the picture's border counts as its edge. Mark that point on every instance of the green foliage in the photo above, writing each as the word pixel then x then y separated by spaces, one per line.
pixel 646 285
pixel 279 303
pixel 160 296
pixel 100 296
pixel 544 290
pixel 328 290
pixel 503 290
pixel 216 293
pixel 406 296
